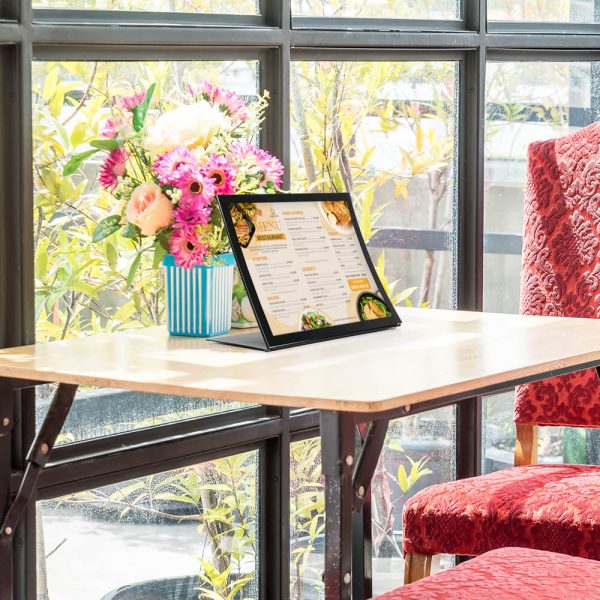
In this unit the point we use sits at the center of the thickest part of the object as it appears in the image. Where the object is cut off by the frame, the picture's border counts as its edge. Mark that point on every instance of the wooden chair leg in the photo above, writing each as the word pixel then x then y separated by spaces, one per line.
pixel 416 566
pixel 526 450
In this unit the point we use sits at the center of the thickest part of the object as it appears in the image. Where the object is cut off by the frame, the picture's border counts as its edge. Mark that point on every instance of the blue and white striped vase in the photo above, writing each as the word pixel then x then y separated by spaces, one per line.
pixel 199 299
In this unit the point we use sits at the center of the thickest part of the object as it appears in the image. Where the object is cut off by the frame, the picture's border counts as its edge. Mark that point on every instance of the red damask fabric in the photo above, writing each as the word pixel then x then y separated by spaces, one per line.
pixel 549 507
pixel 509 574
pixel 561 266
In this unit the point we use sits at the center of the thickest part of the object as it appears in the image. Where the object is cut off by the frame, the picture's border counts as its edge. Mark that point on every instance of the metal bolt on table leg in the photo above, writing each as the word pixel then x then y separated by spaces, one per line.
pixel 44 448
pixel 8 531
pixel 349 460
pixel 361 491
pixel 347 578
pixel 6 422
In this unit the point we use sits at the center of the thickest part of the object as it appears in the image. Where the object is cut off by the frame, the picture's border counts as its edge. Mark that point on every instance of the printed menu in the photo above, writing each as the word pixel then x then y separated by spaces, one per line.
pixel 306 264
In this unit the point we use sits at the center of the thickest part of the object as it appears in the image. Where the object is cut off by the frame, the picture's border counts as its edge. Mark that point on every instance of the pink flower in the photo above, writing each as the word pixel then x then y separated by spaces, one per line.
pixel 223 174
pixel 187 248
pixel 197 187
pixel 149 208
pixel 109 129
pixel 113 167
pixel 229 101
pixel 131 102
pixel 269 167
pixel 175 166
pixel 190 213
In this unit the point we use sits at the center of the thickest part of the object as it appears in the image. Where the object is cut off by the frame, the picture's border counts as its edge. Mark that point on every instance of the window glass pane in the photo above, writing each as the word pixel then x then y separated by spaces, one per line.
pixel 98 412
pixel 556 445
pixel 419 451
pixel 307 521
pixel 182 534
pixel 574 11
pixel 386 132
pixel 80 285
pixel 526 102
pixel 387 9
pixel 236 7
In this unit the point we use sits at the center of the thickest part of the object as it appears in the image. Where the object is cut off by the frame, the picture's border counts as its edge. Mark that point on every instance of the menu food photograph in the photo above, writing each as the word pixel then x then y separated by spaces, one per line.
pixel 306 264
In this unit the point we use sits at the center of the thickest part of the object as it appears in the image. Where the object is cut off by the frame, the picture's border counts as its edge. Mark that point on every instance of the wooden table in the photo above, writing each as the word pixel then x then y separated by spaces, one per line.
pixel 436 358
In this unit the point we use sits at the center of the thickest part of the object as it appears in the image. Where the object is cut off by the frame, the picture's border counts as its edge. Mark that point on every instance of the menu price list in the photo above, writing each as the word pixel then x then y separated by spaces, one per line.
pixel 307 266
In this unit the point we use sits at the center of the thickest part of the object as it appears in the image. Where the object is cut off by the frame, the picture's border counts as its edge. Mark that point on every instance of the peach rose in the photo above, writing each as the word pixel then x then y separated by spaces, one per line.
pixel 149 208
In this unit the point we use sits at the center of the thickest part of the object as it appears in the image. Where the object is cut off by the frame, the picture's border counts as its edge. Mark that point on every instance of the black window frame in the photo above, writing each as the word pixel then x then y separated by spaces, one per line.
pixel 275 38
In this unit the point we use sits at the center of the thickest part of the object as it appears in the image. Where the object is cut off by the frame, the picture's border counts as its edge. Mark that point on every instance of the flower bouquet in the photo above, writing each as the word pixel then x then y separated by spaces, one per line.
pixel 164 170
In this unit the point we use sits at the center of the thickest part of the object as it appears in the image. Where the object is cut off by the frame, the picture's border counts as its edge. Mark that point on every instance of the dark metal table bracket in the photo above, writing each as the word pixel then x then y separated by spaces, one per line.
pixel 36 460
pixel 7 419
pixel 348 470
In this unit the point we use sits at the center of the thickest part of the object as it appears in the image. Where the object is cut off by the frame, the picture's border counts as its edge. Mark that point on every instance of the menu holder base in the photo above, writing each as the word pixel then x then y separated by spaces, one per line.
pixel 253 339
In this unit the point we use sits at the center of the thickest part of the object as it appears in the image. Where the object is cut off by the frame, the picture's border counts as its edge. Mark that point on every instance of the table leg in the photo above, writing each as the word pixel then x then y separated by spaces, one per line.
pixel 337 450
pixel 6 425
pixel 37 458
pixel 362 551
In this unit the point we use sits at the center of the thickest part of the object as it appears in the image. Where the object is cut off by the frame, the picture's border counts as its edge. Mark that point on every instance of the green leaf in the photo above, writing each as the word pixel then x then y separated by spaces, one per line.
pixel 163 238
pixel 107 144
pixel 41 261
pixel 133 270
pixel 131 231
pixel 159 255
pixel 140 111
pixel 78 133
pixel 76 160
pixel 106 227
pixel 403 479
pixel 111 254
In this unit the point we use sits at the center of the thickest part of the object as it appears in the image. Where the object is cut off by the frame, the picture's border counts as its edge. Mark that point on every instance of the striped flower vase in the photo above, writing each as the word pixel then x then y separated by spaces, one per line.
pixel 199 299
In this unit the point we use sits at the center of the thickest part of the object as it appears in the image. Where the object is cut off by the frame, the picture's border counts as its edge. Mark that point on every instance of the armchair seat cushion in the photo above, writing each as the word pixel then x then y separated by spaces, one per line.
pixel 507 574
pixel 548 507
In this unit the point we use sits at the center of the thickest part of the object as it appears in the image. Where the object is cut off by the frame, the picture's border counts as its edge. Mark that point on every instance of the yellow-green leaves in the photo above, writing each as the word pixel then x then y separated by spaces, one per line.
pixel 417 470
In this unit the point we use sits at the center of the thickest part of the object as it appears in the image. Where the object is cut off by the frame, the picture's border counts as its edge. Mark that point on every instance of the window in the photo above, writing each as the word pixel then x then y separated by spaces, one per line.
pixel 80 285
pixel 171 534
pixel 241 7
pixel 400 9
pixel 386 131
pixel 525 102
pixel 574 11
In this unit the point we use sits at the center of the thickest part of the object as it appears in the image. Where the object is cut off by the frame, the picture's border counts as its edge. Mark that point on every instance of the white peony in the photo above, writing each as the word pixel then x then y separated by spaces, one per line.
pixel 188 126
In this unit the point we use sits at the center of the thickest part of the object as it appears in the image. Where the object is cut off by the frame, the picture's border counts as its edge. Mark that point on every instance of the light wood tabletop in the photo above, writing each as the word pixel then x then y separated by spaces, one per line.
pixel 434 354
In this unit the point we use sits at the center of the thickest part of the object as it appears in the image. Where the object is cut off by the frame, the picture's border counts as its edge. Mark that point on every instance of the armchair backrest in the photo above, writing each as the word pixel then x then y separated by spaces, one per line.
pixel 561 266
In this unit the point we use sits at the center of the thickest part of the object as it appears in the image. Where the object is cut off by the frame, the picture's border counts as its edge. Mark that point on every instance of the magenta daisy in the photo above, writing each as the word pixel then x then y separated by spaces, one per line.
pixel 222 172
pixel 131 102
pixel 109 129
pixel 187 248
pixel 197 187
pixel 229 101
pixel 113 167
pixel 269 166
pixel 175 167
pixel 191 213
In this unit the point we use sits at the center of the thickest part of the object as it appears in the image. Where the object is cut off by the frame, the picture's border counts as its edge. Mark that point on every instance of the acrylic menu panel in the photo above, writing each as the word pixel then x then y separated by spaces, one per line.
pixel 307 264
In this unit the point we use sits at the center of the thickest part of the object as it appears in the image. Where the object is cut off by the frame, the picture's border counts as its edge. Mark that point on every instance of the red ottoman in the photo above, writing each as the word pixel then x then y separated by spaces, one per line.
pixel 509 574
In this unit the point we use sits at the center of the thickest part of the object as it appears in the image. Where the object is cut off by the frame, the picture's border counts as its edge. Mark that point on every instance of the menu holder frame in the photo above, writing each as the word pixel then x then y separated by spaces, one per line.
pixel 287 340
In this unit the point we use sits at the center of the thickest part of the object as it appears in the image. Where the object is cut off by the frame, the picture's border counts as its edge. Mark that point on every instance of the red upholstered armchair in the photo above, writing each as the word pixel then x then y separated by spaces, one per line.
pixel 548 507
